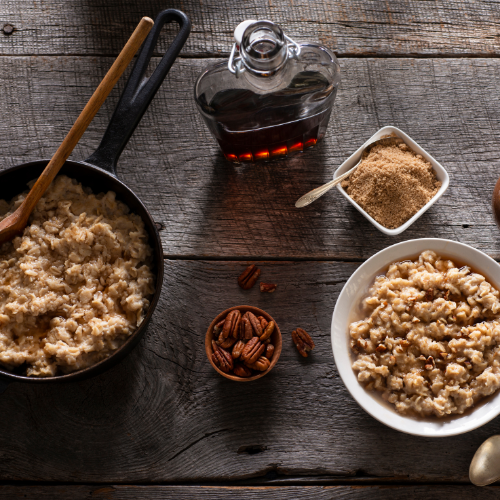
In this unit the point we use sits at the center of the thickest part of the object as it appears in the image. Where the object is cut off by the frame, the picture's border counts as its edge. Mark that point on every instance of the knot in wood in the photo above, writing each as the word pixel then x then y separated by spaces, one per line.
pixel 8 29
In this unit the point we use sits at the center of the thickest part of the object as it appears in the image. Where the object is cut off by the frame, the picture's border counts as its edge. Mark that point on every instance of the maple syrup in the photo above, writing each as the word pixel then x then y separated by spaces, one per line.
pixel 274 100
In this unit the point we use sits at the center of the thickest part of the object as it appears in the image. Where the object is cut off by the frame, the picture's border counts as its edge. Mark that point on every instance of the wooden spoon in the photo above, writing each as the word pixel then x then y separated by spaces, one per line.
pixel 14 224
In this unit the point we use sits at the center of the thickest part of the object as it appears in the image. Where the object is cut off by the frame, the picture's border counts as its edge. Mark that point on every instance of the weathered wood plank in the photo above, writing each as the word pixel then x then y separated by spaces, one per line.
pixel 351 27
pixel 117 492
pixel 164 415
pixel 213 209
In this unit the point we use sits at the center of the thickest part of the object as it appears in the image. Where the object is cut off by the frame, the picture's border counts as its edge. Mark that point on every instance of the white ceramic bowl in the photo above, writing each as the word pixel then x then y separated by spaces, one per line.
pixel 441 175
pixel 356 288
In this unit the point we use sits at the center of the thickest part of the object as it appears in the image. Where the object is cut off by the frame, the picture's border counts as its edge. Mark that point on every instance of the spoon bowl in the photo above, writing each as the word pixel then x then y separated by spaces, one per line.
pixel 485 466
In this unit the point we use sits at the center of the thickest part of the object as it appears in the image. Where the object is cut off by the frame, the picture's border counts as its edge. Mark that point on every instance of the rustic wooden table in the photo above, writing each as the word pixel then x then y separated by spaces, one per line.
pixel 163 424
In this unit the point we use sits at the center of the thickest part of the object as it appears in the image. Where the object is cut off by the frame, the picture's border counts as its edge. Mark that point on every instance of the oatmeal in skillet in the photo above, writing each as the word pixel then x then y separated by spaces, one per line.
pixel 76 284
pixel 430 340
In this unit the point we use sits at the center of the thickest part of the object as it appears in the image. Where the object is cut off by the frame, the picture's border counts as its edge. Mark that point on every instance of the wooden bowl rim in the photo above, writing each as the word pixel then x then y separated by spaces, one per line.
pixel 277 345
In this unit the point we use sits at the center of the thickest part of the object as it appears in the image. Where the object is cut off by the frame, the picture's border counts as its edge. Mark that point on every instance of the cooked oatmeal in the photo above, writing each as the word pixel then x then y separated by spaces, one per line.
pixel 76 284
pixel 430 340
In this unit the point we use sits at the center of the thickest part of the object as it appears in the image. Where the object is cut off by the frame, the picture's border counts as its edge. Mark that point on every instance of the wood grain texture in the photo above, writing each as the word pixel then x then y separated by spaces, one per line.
pixel 211 208
pixel 118 492
pixel 350 27
pixel 164 414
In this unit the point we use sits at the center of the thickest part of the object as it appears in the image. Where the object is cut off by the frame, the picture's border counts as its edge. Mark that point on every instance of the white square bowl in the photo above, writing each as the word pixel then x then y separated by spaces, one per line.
pixel 441 174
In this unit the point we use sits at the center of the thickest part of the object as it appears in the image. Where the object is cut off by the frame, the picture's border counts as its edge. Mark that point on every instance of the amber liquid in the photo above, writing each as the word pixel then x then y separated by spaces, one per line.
pixel 252 127
pixel 273 142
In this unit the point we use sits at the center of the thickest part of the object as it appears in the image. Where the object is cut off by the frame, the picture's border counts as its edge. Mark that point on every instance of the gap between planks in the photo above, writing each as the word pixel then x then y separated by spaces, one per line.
pixel 268 259
pixel 256 482
pixel 217 55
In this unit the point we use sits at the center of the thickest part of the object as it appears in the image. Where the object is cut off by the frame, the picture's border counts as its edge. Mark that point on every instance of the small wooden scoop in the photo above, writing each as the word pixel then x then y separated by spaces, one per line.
pixel 14 224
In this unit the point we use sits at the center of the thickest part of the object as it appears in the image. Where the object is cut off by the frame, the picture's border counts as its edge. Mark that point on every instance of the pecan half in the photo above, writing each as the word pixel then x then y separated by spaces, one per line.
pixel 269 351
pixel 231 325
pixel 246 330
pixel 222 358
pixel 227 343
pixel 267 332
pixel 263 322
pixel 430 365
pixel 262 364
pixel 429 295
pixel 303 341
pixel 242 371
pixel 252 351
pixel 238 349
pixel 218 327
pixel 257 328
pixel 268 287
pixel 249 277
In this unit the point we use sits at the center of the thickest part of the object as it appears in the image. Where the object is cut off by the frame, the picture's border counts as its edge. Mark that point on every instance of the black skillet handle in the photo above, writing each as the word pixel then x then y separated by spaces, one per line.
pixel 139 91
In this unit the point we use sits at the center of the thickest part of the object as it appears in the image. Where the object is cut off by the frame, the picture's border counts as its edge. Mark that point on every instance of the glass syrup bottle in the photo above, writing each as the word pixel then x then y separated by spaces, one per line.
pixel 273 99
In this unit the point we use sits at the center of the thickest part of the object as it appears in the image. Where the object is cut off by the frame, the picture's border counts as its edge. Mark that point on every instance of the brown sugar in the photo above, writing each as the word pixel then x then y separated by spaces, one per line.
pixel 392 183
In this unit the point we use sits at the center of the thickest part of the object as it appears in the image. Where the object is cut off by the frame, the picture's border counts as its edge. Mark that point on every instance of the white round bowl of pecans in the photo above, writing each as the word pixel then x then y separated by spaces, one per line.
pixel 347 311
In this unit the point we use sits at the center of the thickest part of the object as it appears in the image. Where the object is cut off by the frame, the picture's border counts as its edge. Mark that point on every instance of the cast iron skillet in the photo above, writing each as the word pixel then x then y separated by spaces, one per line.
pixel 99 173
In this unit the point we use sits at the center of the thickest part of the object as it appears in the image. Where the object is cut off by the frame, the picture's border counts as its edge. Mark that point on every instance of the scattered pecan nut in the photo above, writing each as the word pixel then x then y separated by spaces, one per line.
pixel 381 348
pixel 268 287
pixel 429 295
pixel 303 341
pixel 222 358
pixel 242 371
pixel 429 363
pixel 249 277
pixel 261 364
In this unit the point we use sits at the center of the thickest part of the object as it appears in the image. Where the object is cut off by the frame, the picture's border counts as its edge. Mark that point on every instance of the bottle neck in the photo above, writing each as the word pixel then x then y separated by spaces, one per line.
pixel 263 50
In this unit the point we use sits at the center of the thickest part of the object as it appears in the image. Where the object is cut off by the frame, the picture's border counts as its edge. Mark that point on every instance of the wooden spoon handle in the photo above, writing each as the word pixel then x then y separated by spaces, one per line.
pixel 86 116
